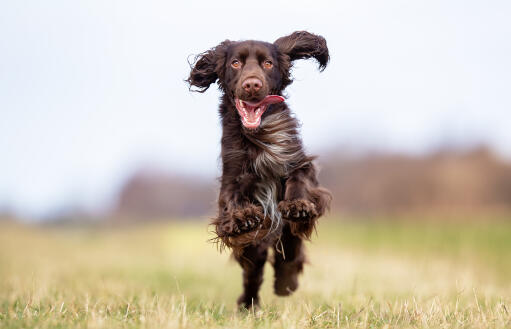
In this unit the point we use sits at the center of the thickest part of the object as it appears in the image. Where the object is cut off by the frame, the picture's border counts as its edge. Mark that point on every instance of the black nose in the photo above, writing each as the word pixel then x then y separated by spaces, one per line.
pixel 252 85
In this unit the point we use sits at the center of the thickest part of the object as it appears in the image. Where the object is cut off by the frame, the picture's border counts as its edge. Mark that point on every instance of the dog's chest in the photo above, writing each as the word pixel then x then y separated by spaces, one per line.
pixel 270 164
pixel 276 150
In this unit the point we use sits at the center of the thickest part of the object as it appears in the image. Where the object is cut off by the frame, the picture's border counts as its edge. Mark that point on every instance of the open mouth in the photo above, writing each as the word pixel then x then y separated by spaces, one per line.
pixel 251 113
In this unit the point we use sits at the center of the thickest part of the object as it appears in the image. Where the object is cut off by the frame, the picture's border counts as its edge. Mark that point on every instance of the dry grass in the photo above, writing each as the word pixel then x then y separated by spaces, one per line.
pixel 362 275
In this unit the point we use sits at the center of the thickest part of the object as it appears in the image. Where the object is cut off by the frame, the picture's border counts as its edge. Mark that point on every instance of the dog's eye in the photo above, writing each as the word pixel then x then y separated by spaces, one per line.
pixel 268 64
pixel 236 64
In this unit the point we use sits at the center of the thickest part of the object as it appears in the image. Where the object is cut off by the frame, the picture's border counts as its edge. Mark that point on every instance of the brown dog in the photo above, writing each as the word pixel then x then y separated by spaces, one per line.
pixel 269 193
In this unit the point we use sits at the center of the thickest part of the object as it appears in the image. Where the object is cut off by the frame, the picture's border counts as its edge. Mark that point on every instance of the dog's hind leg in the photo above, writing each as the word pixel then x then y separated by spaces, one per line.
pixel 289 257
pixel 252 260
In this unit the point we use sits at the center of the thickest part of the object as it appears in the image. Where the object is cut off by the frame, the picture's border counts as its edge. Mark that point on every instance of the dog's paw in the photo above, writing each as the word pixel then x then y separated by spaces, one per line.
pixel 299 210
pixel 247 302
pixel 243 226
pixel 286 277
pixel 242 220
pixel 247 219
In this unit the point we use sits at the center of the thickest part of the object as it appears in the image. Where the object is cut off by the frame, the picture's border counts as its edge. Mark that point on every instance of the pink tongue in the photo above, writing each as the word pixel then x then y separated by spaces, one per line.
pixel 270 99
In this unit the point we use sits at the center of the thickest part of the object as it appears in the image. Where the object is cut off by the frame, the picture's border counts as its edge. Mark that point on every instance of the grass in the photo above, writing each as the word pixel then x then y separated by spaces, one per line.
pixel 362 274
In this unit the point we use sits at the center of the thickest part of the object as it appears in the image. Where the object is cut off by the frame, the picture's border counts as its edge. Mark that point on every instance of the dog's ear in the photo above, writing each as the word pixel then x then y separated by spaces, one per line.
pixel 208 67
pixel 302 45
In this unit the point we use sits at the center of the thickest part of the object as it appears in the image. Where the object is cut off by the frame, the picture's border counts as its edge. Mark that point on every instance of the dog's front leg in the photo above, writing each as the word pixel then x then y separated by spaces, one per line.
pixel 304 201
pixel 239 221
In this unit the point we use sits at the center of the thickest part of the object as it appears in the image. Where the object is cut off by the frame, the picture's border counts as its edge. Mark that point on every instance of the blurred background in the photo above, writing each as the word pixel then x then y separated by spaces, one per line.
pixel 411 122
pixel 412 113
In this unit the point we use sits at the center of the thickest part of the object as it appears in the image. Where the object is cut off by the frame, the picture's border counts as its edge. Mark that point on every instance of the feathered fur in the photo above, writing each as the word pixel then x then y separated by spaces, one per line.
pixel 269 194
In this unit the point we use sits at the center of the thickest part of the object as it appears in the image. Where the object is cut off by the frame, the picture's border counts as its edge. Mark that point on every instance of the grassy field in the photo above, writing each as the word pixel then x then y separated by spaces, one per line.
pixel 362 274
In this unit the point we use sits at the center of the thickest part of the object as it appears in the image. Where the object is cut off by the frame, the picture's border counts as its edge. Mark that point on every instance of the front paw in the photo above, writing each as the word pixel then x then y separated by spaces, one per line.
pixel 246 219
pixel 240 227
pixel 301 216
pixel 239 221
pixel 299 210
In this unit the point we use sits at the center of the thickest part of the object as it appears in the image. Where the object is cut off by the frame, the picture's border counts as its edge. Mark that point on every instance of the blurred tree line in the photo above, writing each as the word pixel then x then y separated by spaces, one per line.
pixel 446 181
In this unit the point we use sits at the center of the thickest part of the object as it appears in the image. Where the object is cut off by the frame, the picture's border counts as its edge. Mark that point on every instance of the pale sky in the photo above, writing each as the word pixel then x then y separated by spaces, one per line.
pixel 92 90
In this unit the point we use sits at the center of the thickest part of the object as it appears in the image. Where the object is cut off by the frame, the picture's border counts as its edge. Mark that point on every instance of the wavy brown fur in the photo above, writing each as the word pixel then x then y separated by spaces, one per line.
pixel 269 195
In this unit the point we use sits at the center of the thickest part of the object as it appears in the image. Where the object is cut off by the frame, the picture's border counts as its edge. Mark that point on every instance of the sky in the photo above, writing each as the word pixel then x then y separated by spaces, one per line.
pixel 92 90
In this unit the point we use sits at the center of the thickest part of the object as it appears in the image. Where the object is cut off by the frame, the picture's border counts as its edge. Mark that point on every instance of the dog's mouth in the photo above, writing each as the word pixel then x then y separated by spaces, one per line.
pixel 251 113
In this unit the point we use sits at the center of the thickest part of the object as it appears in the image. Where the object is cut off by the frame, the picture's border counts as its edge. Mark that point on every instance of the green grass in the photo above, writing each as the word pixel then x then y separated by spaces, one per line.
pixel 362 274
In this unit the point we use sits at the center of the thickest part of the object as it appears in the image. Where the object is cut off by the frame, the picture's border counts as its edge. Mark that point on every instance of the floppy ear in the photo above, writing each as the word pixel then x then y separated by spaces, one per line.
pixel 302 45
pixel 208 67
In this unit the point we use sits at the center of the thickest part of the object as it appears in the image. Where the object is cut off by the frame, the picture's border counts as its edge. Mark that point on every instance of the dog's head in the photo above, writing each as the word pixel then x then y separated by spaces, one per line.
pixel 254 73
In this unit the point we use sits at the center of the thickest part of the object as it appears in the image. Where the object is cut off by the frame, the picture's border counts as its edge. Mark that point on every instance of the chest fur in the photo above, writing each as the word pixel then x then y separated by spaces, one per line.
pixel 278 150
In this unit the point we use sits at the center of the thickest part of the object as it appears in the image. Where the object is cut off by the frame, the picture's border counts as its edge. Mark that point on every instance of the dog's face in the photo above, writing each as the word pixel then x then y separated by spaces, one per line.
pixel 252 78
pixel 254 73
pixel 251 70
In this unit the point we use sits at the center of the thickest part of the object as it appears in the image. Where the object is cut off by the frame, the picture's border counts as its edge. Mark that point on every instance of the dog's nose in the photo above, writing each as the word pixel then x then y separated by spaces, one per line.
pixel 252 85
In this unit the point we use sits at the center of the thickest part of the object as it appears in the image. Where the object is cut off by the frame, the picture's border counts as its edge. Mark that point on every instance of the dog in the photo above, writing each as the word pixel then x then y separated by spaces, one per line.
pixel 269 195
